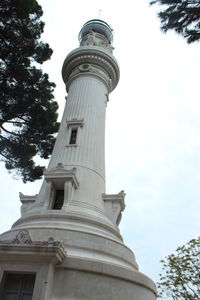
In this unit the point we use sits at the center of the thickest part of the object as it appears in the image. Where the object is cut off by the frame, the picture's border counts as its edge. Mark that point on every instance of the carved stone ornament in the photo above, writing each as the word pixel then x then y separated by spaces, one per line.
pixel 59 166
pixel 114 205
pixel 22 248
pixel 23 237
pixel 85 67
pixel 52 242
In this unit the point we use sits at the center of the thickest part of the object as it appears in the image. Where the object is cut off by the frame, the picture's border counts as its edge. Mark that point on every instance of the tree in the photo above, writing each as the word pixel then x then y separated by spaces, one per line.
pixel 181 277
pixel 183 16
pixel 28 111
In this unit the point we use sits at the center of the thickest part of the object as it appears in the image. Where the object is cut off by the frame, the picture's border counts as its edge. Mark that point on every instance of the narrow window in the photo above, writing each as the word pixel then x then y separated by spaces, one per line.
pixel 18 286
pixel 73 136
pixel 59 199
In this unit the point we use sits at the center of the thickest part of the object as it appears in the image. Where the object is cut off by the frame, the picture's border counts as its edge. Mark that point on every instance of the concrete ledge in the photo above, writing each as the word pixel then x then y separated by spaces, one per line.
pixel 109 270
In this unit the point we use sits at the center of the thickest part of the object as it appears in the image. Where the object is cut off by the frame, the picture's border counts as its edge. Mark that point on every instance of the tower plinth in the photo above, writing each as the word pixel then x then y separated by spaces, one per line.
pixel 72 218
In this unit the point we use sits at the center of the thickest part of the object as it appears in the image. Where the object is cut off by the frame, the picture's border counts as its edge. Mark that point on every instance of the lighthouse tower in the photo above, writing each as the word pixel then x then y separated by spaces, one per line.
pixel 67 243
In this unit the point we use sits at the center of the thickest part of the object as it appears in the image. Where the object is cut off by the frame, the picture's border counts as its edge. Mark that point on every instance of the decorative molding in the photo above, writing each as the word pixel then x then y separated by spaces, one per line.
pixel 94 70
pixel 85 67
pixel 59 175
pixel 59 166
pixel 23 237
pixel 96 57
pixel 26 199
pixel 22 248
pixel 96 39
pixel 116 197
pixel 114 205
pixel 75 122
pixel 88 206
pixel 27 202
pixel 60 178
pixel 72 217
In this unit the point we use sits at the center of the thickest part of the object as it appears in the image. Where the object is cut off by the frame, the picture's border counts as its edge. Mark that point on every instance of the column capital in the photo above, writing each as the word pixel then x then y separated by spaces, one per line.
pixel 91 61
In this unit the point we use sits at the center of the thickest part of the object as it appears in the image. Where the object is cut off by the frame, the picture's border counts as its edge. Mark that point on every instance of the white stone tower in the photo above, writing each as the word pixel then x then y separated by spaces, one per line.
pixel 67 244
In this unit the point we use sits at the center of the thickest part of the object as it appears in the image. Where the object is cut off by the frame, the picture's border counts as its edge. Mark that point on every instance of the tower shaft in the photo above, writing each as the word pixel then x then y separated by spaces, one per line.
pixel 85 115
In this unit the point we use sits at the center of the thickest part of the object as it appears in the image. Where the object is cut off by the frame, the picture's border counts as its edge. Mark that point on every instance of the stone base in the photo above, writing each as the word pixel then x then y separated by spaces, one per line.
pixel 71 264
pixel 92 280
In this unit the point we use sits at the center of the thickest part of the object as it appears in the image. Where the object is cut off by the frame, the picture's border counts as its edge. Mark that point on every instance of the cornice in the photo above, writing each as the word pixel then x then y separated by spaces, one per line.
pixel 59 173
pixel 75 122
pixel 82 218
pixel 99 62
pixel 24 248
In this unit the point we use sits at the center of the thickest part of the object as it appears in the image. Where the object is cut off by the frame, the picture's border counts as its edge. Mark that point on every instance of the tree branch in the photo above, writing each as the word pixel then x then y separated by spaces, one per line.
pixel 10 132
pixel 7 158
pixel 15 122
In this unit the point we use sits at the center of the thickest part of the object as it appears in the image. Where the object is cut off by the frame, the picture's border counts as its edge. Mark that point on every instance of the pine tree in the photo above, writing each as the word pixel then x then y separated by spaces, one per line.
pixel 28 111
pixel 183 16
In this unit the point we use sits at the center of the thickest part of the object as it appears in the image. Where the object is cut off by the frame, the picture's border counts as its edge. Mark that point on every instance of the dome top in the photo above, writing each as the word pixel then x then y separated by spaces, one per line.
pixel 98 26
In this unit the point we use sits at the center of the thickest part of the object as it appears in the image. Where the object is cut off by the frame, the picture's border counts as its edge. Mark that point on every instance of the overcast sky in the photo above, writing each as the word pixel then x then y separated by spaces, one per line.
pixel 152 125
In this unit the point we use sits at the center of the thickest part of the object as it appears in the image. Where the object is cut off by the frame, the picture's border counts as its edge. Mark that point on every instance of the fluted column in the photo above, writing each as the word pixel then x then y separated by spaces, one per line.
pixel 86 102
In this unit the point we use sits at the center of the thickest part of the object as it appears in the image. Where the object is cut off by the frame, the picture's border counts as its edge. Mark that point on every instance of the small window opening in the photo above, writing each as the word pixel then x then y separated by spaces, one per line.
pixel 18 286
pixel 59 199
pixel 73 136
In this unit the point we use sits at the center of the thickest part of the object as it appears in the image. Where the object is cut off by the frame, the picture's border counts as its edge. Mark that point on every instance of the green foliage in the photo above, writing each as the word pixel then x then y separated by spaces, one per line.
pixel 183 16
pixel 28 112
pixel 181 273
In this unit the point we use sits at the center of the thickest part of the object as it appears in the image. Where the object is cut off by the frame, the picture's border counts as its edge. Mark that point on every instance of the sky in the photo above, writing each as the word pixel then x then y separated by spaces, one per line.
pixel 152 125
